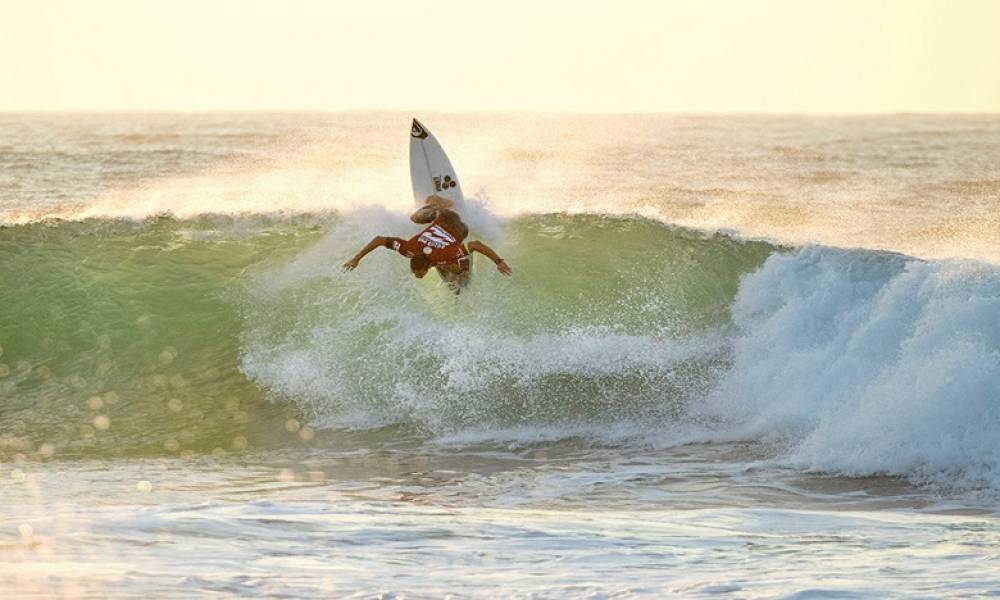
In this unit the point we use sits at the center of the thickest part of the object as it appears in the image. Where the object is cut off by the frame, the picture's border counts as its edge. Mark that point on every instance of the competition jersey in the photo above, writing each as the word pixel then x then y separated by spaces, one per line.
pixel 436 242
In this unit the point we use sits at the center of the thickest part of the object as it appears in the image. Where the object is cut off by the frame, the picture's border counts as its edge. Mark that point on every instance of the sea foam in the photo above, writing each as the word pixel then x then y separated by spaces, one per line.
pixel 864 363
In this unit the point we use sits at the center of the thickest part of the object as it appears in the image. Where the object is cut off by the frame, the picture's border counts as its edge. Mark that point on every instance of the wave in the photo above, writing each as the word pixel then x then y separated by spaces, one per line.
pixel 861 363
pixel 120 337
pixel 606 318
pixel 226 333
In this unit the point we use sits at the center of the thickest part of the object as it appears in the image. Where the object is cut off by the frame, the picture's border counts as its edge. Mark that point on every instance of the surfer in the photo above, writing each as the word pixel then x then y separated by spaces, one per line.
pixel 439 245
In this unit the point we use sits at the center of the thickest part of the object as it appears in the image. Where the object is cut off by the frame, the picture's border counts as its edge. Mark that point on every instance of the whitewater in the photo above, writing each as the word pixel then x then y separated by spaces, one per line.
pixel 740 356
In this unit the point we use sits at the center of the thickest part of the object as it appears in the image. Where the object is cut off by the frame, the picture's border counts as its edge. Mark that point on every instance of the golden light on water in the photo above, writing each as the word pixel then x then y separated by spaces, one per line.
pixel 168 355
pixel 101 422
pixel 155 440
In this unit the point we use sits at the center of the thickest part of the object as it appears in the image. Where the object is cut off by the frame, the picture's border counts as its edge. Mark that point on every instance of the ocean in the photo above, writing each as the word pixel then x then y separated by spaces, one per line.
pixel 740 356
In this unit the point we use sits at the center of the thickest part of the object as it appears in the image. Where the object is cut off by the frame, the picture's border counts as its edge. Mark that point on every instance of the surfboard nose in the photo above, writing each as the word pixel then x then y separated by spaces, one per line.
pixel 417 130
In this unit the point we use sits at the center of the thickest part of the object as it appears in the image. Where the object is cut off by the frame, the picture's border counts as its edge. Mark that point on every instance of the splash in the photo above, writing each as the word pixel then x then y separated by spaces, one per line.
pixel 222 334
pixel 868 364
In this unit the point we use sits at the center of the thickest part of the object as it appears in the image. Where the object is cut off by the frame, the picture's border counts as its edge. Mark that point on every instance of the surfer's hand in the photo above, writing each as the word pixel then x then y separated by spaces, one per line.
pixel 503 267
pixel 350 265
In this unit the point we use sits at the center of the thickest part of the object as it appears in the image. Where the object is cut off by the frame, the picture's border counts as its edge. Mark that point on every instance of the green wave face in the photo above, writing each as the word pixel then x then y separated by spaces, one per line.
pixel 222 334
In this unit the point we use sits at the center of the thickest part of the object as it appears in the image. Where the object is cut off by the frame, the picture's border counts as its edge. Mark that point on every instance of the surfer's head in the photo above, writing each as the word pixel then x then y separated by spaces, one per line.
pixel 453 222
pixel 419 265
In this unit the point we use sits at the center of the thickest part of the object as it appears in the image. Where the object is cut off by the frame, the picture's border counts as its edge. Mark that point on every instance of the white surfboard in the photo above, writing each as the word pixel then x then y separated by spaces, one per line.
pixel 430 170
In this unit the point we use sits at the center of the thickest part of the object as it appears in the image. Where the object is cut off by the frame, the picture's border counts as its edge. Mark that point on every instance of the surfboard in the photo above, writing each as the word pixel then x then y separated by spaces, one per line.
pixel 431 172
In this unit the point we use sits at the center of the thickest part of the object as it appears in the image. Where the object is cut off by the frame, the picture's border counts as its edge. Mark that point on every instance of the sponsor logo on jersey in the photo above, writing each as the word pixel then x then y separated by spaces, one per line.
pixel 436 237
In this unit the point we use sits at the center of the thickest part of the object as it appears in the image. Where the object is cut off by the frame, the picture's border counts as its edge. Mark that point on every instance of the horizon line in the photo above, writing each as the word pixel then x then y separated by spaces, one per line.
pixel 262 111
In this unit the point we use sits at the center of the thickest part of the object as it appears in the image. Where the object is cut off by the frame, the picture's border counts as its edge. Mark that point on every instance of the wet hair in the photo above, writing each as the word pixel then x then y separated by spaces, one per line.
pixel 452 221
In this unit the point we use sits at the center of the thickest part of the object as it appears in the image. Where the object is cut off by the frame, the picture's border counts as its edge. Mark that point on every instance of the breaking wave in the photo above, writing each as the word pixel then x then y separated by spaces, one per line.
pixel 229 333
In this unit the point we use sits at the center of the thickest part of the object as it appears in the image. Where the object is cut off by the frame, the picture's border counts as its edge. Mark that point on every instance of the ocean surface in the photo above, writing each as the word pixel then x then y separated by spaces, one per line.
pixel 739 357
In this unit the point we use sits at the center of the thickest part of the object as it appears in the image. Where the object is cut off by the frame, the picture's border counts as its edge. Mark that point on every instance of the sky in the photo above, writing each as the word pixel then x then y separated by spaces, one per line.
pixel 705 56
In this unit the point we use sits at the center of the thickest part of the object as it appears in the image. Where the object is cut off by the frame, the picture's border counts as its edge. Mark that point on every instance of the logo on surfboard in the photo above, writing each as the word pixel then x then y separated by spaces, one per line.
pixel 417 131
pixel 443 184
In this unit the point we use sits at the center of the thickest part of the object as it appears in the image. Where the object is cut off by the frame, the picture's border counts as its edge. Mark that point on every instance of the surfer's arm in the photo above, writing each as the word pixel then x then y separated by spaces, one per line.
pixel 477 246
pixel 378 240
